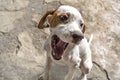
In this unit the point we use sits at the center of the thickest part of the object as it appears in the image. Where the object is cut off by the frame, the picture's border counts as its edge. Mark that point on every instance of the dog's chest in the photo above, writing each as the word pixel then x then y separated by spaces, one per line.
pixel 72 55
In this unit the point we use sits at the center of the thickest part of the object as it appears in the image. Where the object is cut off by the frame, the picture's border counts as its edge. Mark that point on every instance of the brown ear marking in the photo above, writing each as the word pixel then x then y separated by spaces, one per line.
pixel 43 19
pixel 83 28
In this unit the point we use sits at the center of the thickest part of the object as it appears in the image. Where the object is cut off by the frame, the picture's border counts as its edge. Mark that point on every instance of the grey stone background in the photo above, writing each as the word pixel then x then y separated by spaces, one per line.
pixel 21 43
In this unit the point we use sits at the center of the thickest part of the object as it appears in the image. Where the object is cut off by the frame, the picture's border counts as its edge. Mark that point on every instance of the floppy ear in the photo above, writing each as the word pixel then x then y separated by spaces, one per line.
pixel 83 28
pixel 43 19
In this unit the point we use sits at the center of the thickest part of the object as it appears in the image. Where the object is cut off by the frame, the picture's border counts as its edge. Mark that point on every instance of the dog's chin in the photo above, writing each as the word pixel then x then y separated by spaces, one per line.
pixel 58 47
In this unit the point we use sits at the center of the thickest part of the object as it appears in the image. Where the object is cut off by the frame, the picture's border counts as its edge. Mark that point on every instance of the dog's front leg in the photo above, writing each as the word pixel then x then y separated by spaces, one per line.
pixel 47 68
pixel 70 73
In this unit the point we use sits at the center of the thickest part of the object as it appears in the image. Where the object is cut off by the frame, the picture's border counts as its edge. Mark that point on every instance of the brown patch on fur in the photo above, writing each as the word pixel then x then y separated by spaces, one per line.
pixel 83 28
pixel 55 20
pixel 43 19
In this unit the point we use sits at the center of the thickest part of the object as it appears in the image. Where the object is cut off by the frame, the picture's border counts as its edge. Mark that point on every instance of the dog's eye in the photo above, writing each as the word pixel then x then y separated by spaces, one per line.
pixel 81 24
pixel 63 17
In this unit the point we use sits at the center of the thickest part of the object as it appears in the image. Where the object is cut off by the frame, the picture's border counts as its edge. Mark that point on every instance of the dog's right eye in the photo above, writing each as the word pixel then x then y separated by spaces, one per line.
pixel 63 17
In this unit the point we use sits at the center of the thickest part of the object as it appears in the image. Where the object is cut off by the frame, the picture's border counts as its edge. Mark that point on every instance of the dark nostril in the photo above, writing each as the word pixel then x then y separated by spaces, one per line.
pixel 77 37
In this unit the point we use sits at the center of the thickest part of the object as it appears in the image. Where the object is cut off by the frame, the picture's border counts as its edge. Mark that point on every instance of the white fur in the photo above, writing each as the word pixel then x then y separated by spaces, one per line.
pixel 75 55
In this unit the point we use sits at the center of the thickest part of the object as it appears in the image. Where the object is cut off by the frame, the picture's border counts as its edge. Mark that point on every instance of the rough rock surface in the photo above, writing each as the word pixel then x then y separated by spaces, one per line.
pixel 21 43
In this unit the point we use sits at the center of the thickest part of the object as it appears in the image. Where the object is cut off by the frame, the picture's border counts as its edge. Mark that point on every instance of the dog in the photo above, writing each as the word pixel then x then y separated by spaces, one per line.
pixel 66 44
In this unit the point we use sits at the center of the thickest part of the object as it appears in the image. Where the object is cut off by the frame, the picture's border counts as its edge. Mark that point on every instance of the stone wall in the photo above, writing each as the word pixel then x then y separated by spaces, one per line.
pixel 21 43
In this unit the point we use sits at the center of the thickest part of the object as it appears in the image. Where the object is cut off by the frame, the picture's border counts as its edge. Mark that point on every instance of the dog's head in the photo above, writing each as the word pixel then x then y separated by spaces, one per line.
pixel 66 26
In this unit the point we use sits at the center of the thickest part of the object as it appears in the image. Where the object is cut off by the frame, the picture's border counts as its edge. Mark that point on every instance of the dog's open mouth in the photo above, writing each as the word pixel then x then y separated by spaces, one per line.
pixel 58 47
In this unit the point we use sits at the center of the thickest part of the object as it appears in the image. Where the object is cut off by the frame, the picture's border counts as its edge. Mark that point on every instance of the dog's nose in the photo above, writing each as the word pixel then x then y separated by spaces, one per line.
pixel 77 36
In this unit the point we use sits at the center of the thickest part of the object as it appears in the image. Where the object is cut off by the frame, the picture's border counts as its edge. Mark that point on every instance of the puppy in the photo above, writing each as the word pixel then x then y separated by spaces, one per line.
pixel 67 44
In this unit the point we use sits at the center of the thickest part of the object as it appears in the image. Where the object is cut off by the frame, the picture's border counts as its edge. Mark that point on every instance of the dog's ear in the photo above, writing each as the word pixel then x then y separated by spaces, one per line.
pixel 83 28
pixel 43 19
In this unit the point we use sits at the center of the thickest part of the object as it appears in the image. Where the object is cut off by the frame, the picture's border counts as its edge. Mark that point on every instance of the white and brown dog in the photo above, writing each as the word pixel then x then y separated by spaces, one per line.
pixel 67 43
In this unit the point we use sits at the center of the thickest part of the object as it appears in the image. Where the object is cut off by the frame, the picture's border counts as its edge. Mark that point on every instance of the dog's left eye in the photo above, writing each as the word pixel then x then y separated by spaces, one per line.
pixel 63 17
pixel 81 24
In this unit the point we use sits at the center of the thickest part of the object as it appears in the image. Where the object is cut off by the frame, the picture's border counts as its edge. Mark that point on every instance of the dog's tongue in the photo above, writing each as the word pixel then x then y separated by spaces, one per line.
pixel 60 44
